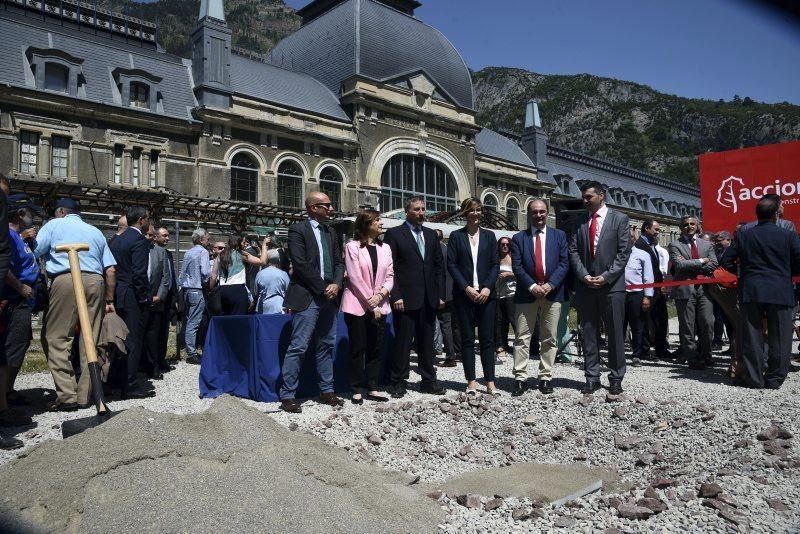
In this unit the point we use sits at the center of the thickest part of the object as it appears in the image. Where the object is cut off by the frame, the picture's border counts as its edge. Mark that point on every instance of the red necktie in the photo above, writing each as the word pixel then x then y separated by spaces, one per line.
pixel 593 233
pixel 537 259
pixel 695 252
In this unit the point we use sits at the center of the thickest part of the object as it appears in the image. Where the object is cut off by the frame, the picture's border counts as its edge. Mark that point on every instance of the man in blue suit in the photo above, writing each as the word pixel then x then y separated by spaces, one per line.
pixel 540 262
pixel 132 299
pixel 767 257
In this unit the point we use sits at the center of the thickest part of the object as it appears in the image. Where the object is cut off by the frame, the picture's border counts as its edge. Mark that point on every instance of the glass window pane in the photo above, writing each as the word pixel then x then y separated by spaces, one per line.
pixel 56 77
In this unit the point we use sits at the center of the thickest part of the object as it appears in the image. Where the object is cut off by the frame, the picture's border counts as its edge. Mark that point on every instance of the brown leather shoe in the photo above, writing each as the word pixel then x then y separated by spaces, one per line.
pixel 448 363
pixel 330 399
pixel 291 406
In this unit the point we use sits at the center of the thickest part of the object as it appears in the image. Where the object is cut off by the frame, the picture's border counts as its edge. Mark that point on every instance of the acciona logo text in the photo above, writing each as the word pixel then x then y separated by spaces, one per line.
pixel 732 190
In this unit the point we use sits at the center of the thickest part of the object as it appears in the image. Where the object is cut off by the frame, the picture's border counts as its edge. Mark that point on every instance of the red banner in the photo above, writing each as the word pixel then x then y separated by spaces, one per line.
pixel 731 183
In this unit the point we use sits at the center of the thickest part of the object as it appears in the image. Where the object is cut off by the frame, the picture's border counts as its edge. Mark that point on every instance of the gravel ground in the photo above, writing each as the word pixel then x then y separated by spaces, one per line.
pixel 691 450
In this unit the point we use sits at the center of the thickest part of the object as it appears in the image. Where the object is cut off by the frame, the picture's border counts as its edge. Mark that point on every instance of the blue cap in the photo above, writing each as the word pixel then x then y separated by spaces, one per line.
pixel 18 201
pixel 67 203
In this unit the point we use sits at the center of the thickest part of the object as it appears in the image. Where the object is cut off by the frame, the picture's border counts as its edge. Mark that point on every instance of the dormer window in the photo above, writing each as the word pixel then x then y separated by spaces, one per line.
pixel 54 70
pixel 137 89
pixel 56 77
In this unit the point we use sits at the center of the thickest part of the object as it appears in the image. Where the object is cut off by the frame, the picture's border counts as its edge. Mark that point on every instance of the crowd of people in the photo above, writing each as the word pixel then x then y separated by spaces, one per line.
pixel 439 295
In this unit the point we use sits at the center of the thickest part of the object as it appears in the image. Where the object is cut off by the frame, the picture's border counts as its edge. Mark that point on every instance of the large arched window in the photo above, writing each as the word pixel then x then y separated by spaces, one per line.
pixel 290 184
pixel 512 211
pixel 490 201
pixel 330 183
pixel 244 177
pixel 406 175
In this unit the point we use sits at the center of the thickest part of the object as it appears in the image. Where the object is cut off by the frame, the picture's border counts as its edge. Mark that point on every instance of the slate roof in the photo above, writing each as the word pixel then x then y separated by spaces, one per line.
pixel 641 184
pixel 283 87
pixel 373 40
pixel 100 56
pixel 495 145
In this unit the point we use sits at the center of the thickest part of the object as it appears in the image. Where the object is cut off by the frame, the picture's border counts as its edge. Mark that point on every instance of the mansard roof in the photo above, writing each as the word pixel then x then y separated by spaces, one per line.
pixel 492 144
pixel 100 57
pixel 371 39
pixel 285 88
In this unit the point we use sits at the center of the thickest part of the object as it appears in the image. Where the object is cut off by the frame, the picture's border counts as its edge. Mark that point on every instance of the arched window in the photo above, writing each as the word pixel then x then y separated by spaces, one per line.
pixel 244 177
pixel 406 175
pixel 512 211
pixel 290 184
pixel 330 183
pixel 490 201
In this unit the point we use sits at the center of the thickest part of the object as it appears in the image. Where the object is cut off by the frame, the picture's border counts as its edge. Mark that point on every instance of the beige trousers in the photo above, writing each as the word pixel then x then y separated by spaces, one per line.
pixel 59 326
pixel 525 317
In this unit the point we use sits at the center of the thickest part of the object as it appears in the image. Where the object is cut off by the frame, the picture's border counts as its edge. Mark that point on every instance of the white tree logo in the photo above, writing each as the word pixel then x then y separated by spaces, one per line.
pixel 726 196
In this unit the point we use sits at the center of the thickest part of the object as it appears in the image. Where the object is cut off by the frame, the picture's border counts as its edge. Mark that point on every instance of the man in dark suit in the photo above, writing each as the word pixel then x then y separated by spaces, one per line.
pixel 132 299
pixel 417 293
pixel 311 296
pixel 539 258
pixel 160 283
pixel 691 257
pixel 598 252
pixel 170 311
pixel 767 257
pixel 451 335
pixel 655 333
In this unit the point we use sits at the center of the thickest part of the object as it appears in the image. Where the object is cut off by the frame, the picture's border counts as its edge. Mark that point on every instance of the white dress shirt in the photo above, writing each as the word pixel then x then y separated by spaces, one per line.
pixel 474 249
pixel 601 217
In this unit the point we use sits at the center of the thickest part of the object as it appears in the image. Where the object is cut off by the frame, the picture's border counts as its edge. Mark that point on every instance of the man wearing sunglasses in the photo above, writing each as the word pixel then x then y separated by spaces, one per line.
pixel 312 296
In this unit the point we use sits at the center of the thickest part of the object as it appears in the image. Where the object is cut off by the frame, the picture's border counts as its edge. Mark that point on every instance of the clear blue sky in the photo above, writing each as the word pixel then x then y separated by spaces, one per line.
pixel 696 48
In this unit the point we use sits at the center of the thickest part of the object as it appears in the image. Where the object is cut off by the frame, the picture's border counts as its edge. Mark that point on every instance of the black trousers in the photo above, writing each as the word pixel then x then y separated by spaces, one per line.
pixel 365 336
pixel 414 325
pixel 470 314
pixel 152 340
pixel 779 340
pixel 636 318
pixel 451 335
pixel 234 299
pixel 656 329
pixel 134 314
pixel 504 317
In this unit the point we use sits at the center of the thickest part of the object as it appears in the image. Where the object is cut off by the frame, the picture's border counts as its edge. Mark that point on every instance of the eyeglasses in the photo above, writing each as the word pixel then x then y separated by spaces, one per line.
pixel 326 205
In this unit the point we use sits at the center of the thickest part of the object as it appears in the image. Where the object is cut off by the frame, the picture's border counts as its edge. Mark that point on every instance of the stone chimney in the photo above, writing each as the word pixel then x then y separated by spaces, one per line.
pixel 534 140
pixel 211 56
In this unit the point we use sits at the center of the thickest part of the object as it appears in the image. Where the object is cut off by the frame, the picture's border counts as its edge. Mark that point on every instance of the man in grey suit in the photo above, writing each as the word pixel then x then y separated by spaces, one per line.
pixel 159 274
pixel 691 257
pixel 598 253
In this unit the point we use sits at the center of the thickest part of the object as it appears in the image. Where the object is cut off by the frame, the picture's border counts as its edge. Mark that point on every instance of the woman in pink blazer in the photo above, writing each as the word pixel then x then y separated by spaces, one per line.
pixel 365 303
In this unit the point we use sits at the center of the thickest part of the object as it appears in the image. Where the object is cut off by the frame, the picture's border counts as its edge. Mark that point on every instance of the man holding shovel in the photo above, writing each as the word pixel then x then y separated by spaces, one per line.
pixel 99 281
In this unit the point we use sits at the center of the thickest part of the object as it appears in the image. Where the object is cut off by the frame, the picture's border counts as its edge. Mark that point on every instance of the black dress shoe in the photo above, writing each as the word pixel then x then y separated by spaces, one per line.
pixel 399 390
pixel 194 360
pixel 359 400
pixel 291 406
pixel 58 406
pixel 8 444
pixel 520 386
pixel 330 399
pixel 590 387
pixel 165 367
pixel 136 394
pixel 376 398
pixel 615 387
pixel 545 387
pixel 434 388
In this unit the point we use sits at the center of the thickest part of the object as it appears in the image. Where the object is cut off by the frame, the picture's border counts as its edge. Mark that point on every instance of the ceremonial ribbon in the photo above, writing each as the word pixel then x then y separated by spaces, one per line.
pixel 696 281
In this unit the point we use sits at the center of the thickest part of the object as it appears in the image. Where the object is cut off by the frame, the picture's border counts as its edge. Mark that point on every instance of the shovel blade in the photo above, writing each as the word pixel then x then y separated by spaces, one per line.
pixel 76 426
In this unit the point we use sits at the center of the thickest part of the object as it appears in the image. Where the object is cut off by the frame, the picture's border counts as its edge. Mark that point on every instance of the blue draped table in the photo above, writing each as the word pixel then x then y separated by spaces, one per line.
pixel 243 355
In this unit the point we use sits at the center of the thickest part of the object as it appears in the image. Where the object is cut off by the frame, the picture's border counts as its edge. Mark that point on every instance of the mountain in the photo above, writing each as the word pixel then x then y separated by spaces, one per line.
pixel 257 24
pixel 630 123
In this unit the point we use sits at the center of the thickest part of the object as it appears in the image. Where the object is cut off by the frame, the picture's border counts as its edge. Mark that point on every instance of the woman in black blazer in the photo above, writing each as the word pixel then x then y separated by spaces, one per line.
pixel 472 261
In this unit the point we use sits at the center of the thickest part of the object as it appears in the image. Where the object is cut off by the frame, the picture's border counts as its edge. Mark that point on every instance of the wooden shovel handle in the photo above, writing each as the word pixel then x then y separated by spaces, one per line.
pixel 80 297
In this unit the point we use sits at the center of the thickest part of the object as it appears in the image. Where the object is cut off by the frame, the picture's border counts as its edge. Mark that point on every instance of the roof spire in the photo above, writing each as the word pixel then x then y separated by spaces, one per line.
pixel 212 9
